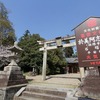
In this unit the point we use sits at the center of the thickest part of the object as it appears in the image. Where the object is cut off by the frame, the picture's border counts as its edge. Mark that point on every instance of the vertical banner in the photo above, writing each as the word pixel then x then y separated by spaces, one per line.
pixel 88 42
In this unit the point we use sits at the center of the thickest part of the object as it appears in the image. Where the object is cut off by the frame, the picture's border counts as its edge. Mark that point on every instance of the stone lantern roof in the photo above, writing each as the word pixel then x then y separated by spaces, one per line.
pixel 15 48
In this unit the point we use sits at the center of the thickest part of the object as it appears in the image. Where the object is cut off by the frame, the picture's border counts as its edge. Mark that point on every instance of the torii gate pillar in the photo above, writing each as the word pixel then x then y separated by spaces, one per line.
pixel 44 62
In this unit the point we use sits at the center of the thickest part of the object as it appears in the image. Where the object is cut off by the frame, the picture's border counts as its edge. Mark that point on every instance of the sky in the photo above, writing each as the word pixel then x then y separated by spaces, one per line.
pixel 49 18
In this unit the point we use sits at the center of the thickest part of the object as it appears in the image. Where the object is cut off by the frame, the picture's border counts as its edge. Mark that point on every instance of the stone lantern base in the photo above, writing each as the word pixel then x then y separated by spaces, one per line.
pixel 11 80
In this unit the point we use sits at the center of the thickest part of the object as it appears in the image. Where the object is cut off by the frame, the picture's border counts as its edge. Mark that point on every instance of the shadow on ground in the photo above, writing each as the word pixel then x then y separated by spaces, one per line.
pixel 29 80
pixel 80 98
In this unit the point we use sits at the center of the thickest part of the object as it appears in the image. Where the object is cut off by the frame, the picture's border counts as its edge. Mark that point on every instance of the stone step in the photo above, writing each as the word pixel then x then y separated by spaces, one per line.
pixel 32 92
pixel 26 98
pixel 42 96
pixel 45 90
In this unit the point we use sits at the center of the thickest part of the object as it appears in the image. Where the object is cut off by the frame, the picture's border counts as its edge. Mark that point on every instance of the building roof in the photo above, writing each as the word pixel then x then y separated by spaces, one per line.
pixel 84 21
pixel 72 60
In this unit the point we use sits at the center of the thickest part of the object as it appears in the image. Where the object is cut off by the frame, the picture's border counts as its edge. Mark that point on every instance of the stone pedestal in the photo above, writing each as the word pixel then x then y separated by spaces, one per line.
pixel 90 85
pixel 12 75
pixel 11 80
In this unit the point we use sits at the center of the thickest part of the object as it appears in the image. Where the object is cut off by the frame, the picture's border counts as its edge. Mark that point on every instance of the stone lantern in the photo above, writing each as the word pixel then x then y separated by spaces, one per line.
pixel 11 79
pixel 13 56
pixel 14 72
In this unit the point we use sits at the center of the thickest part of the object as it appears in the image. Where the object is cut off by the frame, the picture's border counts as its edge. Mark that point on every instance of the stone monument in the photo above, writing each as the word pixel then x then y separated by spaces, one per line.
pixel 11 79
pixel 90 85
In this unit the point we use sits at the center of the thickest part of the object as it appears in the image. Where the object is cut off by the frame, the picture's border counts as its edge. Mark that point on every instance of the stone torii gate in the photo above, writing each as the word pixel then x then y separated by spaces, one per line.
pixel 57 42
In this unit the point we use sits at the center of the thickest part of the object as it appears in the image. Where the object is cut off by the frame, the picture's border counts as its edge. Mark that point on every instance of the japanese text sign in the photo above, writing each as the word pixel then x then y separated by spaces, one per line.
pixel 88 42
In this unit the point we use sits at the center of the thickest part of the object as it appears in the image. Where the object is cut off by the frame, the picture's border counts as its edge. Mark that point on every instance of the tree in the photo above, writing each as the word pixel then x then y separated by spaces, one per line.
pixel 31 56
pixel 68 51
pixel 56 61
pixel 7 34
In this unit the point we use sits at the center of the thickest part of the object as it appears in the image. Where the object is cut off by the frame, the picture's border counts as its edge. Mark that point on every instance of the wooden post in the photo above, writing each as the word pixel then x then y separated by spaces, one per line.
pixel 44 62
pixel 82 72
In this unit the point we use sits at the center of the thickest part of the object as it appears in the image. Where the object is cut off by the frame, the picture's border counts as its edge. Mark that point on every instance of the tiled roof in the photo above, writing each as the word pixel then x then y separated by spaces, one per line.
pixel 72 60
